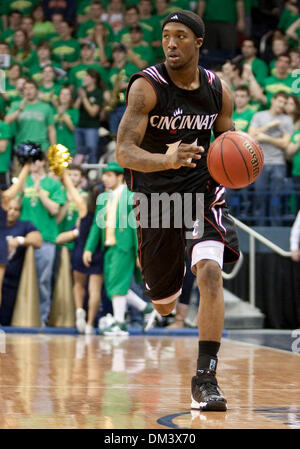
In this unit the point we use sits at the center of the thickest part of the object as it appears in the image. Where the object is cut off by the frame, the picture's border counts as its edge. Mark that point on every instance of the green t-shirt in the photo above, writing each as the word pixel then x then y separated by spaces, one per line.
pixel 24 6
pixel 77 73
pixel 123 35
pixel 146 53
pixel 32 123
pixel 85 120
pixel 63 134
pixel 87 28
pixel 286 19
pixel 260 70
pixel 83 7
pixel 256 106
pixel 107 50
pixel 5 156
pixel 42 30
pixel 26 60
pixel 68 50
pixel 2 105
pixel 69 222
pixel 242 119
pixel 49 93
pixel 125 76
pixel 157 35
pixel 33 209
pixel 11 93
pixel 273 84
pixel 296 158
pixel 35 72
pixel 220 11
pixel 7 36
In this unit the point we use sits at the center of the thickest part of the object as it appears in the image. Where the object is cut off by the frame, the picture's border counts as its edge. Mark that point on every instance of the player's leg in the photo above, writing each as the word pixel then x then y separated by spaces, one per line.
pixel 163 264
pixel 214 243
pixel 207 260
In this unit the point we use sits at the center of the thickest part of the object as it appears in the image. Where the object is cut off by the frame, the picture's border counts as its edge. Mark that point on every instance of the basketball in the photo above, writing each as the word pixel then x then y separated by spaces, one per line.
pixel 235 159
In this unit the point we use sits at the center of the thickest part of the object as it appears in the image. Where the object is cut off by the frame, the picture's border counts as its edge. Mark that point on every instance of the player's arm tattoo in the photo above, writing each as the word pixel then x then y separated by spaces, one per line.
pixel 130 135
pixel 129 131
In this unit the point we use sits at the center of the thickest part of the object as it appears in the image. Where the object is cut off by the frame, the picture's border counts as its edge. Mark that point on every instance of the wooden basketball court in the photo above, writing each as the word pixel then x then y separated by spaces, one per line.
pixel 141 382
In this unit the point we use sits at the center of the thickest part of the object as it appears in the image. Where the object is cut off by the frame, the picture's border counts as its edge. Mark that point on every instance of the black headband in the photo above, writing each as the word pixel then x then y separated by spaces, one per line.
pixel 188 18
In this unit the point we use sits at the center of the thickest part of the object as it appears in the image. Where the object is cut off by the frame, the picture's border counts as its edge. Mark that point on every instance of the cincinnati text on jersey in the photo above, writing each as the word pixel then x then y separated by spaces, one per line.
pixel 199 122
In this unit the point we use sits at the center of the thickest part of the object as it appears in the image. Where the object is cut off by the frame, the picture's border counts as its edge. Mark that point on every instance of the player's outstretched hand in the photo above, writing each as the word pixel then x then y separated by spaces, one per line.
pixel 183 154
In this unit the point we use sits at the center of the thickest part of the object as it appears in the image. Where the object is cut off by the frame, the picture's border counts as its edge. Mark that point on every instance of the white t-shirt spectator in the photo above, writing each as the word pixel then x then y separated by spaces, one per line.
pixel 273 154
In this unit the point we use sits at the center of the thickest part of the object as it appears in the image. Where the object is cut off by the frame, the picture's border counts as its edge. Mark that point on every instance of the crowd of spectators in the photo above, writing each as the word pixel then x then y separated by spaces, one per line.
pixel 65 67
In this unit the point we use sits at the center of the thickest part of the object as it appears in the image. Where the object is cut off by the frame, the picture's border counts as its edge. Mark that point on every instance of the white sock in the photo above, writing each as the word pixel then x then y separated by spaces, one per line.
pixel 134 300
pixel 119 308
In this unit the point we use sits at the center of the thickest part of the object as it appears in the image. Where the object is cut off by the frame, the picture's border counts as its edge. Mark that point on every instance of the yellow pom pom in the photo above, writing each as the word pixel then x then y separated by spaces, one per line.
pixel 59 158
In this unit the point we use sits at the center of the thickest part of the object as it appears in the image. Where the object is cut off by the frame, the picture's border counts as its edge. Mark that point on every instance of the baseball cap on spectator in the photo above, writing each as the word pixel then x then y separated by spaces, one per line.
pixel 114 167
pixel 88 44
pixel 136 28
pixel 119 47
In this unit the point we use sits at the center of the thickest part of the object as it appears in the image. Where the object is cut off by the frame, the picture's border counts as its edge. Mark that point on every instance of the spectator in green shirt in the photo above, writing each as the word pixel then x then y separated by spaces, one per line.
pixel 146 16
pixel 96 15
pixel 42 28
pixel 293 32
pixel 43 53
pixel 66 49
pixel 222 21
pixel 242 114
pixel 25 7
pixel 21 51
pixel 89 102
pixel 138 51
pixel 132 18
pixel 118 79
pixel 66 119
pixel 282 81
pixel 258 66
pixel 5 152
pixel 292 109
pixel 48 88
pixel 103 48
pixel 41 202
pixel 33 119
pixel 13 74
pixel 279 46
pixel 27 25
pixel 162 10
pixel 289 15
pixel 295 59
pixel 293 153
pixel 14 23
pixel 77 73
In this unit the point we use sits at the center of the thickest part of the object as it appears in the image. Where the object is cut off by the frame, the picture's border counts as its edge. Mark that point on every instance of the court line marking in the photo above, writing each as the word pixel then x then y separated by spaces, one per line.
pixel 284 351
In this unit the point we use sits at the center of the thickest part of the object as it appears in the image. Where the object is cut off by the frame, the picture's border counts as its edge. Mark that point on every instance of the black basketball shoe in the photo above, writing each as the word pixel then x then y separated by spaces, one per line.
pixel 206 395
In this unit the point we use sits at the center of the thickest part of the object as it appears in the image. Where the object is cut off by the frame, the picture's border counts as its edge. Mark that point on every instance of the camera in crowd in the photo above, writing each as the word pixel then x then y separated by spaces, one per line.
pixel 28 152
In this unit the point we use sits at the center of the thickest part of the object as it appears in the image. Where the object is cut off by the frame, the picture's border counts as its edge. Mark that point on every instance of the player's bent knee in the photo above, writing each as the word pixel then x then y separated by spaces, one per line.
pixel 164 309
pixel 209 273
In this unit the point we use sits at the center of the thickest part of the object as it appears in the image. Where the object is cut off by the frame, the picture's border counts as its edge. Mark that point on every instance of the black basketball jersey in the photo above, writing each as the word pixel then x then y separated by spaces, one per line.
pixel 180 116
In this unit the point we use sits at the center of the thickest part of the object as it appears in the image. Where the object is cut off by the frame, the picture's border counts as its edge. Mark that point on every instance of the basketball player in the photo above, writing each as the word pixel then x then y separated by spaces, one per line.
pixel 162 142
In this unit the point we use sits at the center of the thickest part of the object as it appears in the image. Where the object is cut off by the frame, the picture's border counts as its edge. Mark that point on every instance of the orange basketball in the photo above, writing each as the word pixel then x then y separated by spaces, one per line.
pixel 235 159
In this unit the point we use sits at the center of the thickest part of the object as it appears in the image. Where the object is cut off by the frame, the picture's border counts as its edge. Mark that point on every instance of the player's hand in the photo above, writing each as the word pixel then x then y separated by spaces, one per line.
pixel 87 258
pixel 182 155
